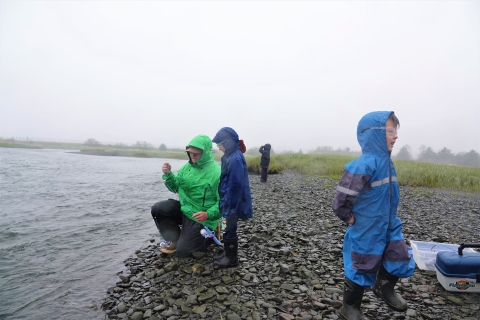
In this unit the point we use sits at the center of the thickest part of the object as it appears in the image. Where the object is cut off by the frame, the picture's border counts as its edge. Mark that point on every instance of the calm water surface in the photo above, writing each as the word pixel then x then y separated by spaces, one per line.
pixel 67 223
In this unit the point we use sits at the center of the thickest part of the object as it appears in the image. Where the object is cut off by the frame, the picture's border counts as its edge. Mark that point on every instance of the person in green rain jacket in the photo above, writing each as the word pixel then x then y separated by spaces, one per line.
pixel 196 185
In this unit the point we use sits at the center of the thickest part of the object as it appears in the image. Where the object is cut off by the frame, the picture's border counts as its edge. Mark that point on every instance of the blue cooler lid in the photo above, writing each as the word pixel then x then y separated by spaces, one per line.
pixel 451 264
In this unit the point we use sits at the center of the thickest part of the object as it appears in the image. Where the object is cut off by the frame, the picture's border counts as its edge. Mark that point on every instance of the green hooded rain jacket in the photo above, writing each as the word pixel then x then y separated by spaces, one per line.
pixel 197 184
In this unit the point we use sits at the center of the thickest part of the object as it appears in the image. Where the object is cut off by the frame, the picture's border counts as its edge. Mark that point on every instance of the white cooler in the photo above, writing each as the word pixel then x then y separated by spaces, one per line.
pixel 425 253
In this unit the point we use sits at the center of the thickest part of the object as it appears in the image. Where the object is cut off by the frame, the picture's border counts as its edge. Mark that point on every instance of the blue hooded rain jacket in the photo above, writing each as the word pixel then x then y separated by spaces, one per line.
pixel 234 188
pixel 369 189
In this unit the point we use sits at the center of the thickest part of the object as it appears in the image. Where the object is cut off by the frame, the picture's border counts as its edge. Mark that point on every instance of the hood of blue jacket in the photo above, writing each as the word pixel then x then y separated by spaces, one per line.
pixel 373 140
pixel 229 139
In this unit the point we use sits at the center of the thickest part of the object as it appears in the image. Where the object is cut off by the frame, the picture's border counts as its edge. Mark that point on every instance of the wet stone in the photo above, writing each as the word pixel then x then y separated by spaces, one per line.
pixel 327 301
pixel 208 295
pixel 249 305
pixel 159 308
pixel 330 290
pixel 191 299
pixel 147 314
pixel 284 268
pixel 411 313
pixel 227 279
pixel 288 287
pixel 121 307
pixel 221 289
pixel 456 300
pixel 221 297
pixel 137 315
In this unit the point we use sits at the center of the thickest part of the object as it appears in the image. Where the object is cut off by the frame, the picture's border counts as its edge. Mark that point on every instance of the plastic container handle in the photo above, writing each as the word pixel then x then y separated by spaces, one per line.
pixel 467 245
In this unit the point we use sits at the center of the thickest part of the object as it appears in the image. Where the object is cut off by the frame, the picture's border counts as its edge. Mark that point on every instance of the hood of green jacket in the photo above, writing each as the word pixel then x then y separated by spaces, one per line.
pixel 204 143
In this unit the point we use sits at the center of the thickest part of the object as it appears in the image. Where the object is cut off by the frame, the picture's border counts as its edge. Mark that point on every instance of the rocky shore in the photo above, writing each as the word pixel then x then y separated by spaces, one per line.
pixel 291 262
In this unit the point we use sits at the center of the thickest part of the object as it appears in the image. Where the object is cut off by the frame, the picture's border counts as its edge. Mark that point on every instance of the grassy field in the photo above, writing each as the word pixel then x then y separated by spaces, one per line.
pixel 410 173
pixel 18 145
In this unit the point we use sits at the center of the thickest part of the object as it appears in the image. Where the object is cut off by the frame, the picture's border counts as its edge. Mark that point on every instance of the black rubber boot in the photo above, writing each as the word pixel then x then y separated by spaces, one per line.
pixel 384 289
pixel 231 254
pixel 352 299
pixel 219 256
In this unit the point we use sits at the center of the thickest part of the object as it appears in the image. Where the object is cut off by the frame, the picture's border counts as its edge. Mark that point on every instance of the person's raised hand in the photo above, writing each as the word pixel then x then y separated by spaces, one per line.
pixel 166 168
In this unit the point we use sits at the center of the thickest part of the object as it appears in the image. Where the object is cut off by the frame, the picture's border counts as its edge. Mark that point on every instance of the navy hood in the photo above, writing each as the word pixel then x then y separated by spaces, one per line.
pixel 229 139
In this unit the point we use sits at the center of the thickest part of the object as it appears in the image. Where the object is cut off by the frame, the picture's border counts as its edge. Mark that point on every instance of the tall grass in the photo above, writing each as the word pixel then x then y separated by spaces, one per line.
pixel 452 177
pixel 17 145
pixel 325 165
pixel 409 173
pixel 40 145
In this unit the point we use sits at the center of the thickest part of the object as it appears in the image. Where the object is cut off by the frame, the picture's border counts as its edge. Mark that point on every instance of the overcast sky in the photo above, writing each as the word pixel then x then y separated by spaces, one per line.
pixel 294 74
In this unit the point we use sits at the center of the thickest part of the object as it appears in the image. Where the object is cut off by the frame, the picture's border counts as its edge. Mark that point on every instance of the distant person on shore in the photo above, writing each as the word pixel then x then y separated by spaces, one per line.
pixel 264 161
pixel 196 184
pixel 234 190
pixel 374 249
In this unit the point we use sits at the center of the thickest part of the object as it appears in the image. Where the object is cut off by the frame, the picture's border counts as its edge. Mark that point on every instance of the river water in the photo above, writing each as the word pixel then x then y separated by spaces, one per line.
pixel 67 223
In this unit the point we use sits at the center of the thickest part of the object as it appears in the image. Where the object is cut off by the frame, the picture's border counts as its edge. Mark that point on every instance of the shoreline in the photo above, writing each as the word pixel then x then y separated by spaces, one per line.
pixel 102 153
pixel 135 154
pixel 291 262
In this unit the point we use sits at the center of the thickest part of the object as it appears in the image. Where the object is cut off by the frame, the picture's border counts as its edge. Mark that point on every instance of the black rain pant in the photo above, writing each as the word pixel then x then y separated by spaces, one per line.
pixel 168 218
pixel 263 177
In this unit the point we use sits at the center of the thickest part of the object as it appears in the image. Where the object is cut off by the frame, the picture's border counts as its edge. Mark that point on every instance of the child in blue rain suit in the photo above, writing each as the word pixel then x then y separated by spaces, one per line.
pixel 374 249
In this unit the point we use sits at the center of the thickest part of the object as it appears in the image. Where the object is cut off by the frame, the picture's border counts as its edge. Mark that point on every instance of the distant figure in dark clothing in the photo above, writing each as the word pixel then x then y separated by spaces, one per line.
pixel 265 151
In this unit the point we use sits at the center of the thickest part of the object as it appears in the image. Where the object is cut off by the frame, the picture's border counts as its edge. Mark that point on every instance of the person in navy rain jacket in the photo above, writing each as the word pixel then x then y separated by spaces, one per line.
pixel 234 191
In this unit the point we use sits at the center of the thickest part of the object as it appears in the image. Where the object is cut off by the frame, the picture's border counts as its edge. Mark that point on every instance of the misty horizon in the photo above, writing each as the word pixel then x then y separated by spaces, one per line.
pixel 414 153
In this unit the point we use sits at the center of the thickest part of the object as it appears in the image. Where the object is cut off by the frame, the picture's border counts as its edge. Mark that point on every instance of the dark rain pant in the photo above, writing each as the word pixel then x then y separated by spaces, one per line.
pixel 263 177
pixel 230 232
pixel 168 218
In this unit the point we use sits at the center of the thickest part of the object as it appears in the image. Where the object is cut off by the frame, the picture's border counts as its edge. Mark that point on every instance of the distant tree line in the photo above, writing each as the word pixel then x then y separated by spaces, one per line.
pixel 137 145
pixel 341 151
pixel 443 156
pixel 143 145
pixel 253 151
pixel 426 154
pixel 92 142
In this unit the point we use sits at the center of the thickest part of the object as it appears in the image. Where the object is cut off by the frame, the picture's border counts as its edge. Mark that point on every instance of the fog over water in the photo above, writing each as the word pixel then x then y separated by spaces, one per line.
pixel 296 74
